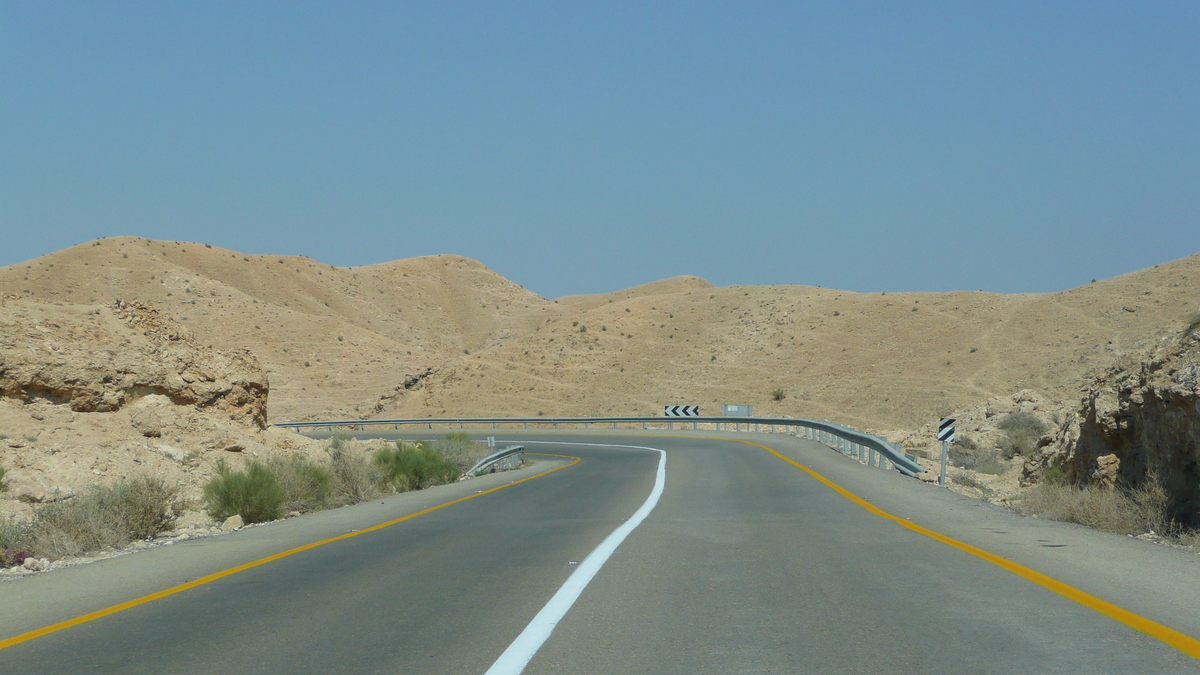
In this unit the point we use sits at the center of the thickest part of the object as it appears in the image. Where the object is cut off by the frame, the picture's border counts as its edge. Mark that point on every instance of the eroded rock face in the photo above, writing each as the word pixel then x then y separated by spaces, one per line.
pixel 102 359
pixel 1141 419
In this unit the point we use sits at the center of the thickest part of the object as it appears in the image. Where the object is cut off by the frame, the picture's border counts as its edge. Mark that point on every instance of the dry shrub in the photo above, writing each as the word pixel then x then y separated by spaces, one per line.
pixel 105 516
pixel 1135 511
pixel 1189 538
pixel 354 479
pixel 14 544
pixel 966 453
pixel 1021 433
pixel 968 479
pixel 308 485
pixel 460 449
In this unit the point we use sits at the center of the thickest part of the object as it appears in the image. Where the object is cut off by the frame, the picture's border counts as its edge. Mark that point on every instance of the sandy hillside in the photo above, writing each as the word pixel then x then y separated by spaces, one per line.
pixel 330 338
pixel 883 361
pixel 444 335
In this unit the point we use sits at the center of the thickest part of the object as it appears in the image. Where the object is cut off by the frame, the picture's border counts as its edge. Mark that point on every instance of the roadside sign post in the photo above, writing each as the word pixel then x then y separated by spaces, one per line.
pixel 946 436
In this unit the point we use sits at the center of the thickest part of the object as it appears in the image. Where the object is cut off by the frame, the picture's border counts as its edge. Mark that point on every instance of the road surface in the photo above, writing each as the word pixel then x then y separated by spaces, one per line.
pixel 745 564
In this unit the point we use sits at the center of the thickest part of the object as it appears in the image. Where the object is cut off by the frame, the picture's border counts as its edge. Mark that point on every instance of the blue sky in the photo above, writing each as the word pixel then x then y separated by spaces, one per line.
pixel 1014 147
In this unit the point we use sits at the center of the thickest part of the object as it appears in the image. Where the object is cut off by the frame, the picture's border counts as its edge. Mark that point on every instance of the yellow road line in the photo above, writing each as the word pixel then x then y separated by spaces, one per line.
pixel 1184 643
pixel 54 628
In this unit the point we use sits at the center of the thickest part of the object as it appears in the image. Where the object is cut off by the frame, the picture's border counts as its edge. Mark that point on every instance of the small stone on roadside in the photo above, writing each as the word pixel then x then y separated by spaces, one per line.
pixel 232 523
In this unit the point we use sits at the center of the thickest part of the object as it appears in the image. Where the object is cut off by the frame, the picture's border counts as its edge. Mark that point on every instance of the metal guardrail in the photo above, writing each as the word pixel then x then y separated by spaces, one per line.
pixel 507 458
pixel 866 448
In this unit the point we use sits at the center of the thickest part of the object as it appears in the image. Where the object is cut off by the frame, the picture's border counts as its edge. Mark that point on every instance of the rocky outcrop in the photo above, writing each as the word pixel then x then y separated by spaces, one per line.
pixel 1138 421
pixel 103 359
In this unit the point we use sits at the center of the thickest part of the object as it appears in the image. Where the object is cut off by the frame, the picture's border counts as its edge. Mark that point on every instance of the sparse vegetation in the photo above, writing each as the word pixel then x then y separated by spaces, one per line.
pixel 778 394
pixel 460 449
pixel 1131 511
pixel 967 454
pixel 254 493
pixel 3 485
pixel 412 466
pixel 1021 433
pixel 105 516
pixel 354 479
pixel 308 485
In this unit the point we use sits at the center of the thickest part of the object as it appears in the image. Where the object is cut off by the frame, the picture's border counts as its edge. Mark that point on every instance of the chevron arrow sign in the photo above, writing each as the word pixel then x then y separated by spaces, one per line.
pixel 681 411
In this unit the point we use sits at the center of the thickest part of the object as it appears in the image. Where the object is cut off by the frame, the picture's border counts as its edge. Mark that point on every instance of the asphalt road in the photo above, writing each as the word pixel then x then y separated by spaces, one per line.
pixel 747 564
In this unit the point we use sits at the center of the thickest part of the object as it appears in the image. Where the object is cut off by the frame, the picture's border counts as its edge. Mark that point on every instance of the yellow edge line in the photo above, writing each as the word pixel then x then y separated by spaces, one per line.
pixel 54 628
pixel 1184 643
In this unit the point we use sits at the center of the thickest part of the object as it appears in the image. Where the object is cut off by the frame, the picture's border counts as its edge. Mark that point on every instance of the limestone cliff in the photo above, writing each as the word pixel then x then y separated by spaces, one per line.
pixel 1139 420
pixel 95 359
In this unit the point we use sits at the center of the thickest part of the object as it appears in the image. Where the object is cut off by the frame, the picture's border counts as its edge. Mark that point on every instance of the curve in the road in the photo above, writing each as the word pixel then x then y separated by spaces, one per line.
pixel 108 611
pixel 517 656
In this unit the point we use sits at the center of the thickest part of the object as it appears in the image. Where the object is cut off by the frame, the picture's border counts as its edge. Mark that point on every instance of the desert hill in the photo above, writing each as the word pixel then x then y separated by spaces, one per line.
pixel 443 335
pixel 883 361
pixel 330 338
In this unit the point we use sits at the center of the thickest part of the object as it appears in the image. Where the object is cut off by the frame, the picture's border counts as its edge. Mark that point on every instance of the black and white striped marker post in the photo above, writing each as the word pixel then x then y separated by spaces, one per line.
pixel 946 436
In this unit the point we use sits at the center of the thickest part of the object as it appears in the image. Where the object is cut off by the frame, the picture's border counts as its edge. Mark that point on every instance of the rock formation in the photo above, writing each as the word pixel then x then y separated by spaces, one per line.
pixel 81 357
pixel 1138 421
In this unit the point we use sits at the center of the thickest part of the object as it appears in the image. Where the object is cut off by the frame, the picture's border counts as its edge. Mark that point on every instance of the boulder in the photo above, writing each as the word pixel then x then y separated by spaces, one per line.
pixel 147 422
pixel 232 523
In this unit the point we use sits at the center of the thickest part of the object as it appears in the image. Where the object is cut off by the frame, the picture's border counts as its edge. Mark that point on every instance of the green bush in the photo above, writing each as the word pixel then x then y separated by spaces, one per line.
pixel 3 486
pixel 254 493
pixel 1021 433
pixel 411 466
pixel 102 517
pixel 778 394
pixel 966 453
pixel 308 485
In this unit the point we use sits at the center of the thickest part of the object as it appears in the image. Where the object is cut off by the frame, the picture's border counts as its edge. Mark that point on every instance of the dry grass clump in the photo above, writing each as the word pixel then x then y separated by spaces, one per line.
pixel 3 486
pixel 105 516
pixel 966 453
pixel 1021 433
pixel 1134 511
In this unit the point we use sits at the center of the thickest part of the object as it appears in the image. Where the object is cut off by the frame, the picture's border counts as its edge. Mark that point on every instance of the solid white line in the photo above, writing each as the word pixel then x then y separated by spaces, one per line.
pixel 517 656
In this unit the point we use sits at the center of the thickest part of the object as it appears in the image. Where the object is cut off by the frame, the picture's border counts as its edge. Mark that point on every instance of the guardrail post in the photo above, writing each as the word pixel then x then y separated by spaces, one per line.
pixel 670 426
pixel 695 426
pixel 643 426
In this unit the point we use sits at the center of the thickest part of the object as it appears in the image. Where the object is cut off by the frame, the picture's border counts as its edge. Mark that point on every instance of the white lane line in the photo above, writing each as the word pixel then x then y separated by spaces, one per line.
pixel 517 656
